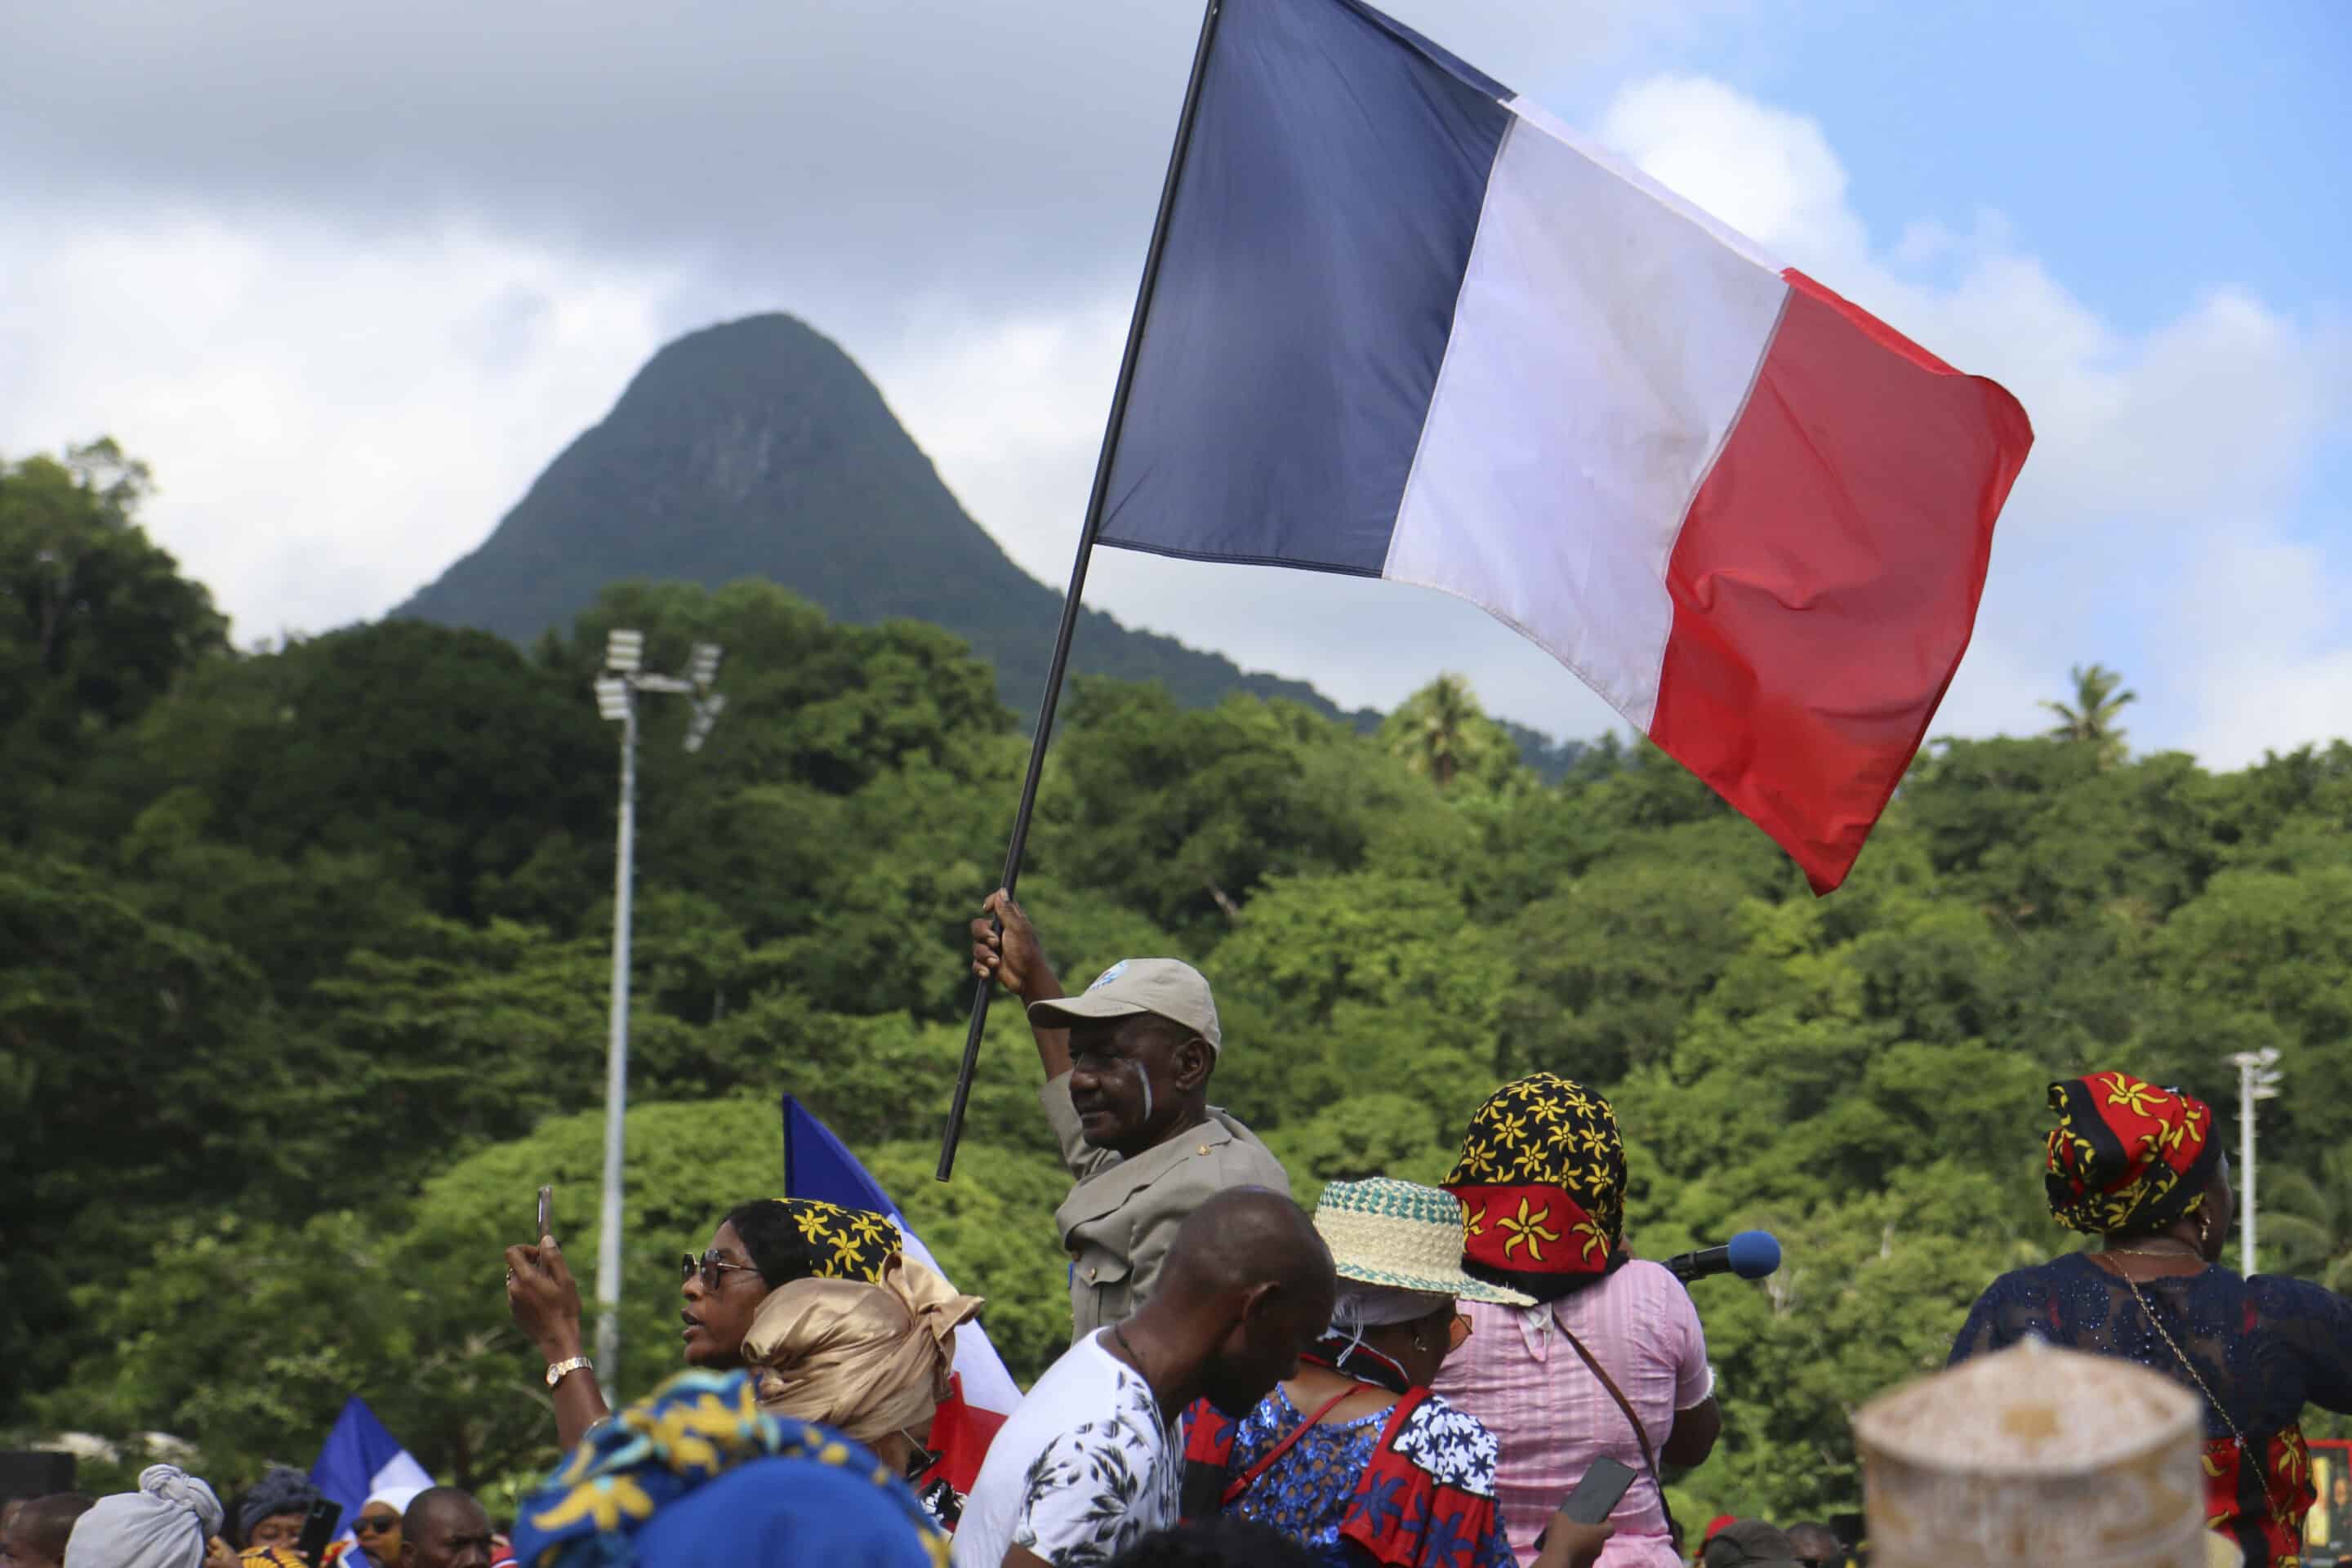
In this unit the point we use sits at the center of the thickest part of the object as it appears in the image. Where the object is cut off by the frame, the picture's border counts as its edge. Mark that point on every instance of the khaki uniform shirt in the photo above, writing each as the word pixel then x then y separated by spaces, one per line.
pixel 1117 1223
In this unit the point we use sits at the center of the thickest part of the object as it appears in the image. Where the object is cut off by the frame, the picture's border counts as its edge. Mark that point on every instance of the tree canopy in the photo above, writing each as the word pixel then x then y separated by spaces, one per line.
pixel 308 946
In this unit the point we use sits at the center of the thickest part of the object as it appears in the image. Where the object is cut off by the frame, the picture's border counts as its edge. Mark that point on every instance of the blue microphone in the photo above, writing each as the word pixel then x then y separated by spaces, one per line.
pixel 1751 1255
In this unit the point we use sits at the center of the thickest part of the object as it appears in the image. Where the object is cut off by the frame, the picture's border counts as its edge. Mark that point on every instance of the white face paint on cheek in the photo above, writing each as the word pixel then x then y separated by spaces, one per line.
pixel 1147 1094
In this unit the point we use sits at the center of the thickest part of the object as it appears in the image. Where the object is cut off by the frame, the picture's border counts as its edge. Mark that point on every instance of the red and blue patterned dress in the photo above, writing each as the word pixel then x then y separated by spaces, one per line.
pixel 2263 1347
pixel 1412 1486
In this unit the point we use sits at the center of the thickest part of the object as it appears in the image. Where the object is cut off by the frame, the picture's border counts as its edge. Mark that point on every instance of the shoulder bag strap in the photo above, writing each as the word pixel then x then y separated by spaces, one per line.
pixel 1243 1482
pixel 1649 1457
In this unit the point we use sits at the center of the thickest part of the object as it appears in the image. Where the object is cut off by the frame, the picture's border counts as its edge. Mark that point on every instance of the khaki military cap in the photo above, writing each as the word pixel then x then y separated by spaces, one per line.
pixel 1167 987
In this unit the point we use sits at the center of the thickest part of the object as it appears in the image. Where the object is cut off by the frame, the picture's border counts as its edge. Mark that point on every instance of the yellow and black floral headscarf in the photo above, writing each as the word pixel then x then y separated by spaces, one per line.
pixel 835 1243
pixel 1542 1183
pixel 2126 1157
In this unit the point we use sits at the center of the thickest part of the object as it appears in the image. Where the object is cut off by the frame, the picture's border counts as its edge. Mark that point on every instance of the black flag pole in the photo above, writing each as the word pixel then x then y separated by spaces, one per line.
pixel 1053 697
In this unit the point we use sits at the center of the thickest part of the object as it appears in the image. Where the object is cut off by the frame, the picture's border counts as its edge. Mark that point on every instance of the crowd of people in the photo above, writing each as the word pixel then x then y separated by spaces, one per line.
pixel 1430 1376
pixel 177 1520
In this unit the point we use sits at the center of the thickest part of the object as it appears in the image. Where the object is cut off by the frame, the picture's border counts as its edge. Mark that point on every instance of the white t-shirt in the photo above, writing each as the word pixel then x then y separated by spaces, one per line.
pixel 1079 1471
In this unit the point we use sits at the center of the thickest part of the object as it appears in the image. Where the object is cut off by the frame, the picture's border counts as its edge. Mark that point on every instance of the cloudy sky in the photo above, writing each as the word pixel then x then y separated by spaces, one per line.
pixel 349 274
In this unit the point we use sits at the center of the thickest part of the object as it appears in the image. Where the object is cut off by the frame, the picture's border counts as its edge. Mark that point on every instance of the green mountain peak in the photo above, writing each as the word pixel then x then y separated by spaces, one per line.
pixel 759 448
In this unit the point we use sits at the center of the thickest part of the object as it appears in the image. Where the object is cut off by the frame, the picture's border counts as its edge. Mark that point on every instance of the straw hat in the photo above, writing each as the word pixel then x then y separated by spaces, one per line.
pixel 2037 1455
pixel 1403 1235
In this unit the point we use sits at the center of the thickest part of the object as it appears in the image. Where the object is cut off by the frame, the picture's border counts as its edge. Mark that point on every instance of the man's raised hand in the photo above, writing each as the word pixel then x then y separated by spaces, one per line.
pixel 1010 955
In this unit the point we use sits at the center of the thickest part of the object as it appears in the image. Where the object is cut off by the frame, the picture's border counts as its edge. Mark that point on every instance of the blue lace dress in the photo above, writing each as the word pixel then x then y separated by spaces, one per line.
pixel 2264 1346
pixel 1429 1501
pixel 1307 1492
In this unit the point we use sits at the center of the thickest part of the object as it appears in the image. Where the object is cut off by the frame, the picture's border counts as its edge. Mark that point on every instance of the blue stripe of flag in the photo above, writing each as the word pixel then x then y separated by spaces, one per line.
pixel 1322 224
pixel 358 1449
pixel 819 1166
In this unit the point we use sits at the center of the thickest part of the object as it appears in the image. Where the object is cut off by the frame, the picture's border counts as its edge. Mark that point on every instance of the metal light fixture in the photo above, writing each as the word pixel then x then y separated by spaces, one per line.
pixel 624 651
pixel 706 714
pixel 617 694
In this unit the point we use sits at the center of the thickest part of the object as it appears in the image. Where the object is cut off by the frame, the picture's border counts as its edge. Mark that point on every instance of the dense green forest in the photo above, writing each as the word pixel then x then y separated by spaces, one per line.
pixel 303 957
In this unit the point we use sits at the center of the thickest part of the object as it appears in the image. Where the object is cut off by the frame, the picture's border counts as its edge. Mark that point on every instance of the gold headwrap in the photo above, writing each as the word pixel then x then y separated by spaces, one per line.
pixel 869 1360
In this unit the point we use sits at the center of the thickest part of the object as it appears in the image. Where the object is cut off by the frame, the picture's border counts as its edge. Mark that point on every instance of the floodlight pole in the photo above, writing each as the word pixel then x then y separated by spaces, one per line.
pixel 616 1076
pixel 2257 1079
pixel 616 698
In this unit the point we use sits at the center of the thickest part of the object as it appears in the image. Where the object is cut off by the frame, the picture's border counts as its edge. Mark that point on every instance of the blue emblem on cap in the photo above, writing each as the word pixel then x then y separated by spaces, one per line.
pixel 1107 975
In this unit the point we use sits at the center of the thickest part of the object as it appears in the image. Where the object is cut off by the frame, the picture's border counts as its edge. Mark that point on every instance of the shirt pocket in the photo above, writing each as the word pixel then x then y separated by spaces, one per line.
pixel 1102 1275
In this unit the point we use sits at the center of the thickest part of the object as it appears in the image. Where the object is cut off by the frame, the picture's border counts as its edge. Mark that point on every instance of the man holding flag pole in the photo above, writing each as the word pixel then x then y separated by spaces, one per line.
pixel 1126 1091
pixel 1396 321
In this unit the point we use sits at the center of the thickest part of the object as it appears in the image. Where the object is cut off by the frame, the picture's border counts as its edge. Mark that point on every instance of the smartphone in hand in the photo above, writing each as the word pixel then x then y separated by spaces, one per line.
pixel 1596 1496
pixel 546 1215
pixel 318 1528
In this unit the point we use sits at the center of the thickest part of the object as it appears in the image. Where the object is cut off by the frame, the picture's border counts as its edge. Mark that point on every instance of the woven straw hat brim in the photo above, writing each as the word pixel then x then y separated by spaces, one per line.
pixel 1456 1284
pixel 1404 1252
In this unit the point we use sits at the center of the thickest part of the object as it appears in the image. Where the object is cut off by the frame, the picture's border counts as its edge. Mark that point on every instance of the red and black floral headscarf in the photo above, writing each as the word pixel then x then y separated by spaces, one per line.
pixel 2126 1155
pixel 1542 1183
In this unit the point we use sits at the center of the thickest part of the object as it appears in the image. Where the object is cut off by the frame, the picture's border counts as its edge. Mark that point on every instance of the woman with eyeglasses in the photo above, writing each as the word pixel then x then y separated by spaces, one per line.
pixel 377 1526
pixel 820 1301
pixel 1353 1456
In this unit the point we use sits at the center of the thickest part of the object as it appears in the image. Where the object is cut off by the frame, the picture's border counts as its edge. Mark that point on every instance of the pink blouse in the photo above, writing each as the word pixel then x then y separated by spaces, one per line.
pixel 1552 1417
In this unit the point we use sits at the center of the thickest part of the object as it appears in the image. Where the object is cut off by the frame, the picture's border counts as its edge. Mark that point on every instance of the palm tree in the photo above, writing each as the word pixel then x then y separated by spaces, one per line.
pixel 1439 731
pixel 2090 718
pixel 2307 1217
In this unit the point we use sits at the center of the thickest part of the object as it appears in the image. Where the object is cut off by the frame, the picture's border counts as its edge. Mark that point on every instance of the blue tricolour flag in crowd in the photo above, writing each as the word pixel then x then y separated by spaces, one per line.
pixel 360 1461
pixel 818 1165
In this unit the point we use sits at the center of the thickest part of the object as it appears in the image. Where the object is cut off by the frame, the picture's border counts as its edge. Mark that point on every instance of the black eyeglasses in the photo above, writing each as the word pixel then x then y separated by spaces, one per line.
pixel 709 1267
pixel 374 1523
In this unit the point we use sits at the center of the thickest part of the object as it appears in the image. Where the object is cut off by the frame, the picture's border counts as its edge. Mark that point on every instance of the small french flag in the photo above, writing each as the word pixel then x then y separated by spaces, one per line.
pixel 1405 325
pixel 819 1166
pixel 360 1460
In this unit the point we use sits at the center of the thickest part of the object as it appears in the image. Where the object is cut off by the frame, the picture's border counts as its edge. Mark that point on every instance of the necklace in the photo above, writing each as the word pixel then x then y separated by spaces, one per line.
pixel 2184 1250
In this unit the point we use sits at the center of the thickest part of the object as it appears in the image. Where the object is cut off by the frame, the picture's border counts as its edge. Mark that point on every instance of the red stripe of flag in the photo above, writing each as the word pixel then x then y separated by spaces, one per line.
pixel 1826 577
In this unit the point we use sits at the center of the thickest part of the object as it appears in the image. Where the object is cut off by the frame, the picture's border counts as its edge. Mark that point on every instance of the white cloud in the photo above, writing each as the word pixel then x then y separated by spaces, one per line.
pixel 335 413
pixel 2277 645
pixel 2160 460
pixel 330 423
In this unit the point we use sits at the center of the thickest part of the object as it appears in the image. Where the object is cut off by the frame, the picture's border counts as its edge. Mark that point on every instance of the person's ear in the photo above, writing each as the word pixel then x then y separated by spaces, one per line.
pixel 1258 1305
pixel 1189 1067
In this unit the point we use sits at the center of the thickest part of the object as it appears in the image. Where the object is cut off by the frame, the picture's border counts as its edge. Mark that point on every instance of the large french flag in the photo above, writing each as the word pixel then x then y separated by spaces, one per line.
pixel 1408 326
pixel 819 1166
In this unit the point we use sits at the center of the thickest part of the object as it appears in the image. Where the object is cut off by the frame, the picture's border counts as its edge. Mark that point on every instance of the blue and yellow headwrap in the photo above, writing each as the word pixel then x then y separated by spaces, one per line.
pixel 698 1476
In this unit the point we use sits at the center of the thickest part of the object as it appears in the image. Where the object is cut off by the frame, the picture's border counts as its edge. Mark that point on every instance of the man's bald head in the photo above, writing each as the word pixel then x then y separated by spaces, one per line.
pixel 1816 1543
pixel 1246 1237
pixel 445 1528
pixel 1248 1274
pixel 34 1534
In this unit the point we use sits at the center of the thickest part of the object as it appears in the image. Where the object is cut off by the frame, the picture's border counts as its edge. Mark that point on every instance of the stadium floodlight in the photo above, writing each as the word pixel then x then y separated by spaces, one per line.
pixel 624 650
pixel 617 700
pixel 706 714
